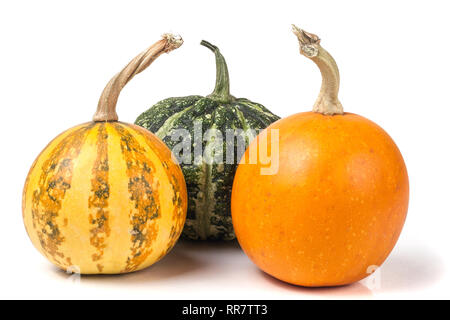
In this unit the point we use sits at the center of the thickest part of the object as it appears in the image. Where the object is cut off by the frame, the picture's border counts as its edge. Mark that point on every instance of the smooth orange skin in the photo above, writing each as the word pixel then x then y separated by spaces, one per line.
pixel 335 208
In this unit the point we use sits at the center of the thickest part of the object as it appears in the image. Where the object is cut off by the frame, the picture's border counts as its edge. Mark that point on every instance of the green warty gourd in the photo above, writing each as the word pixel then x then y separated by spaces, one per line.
pixel 209 181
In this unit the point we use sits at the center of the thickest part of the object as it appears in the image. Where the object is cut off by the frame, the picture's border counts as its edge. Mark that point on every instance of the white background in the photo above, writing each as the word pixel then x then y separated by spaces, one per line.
pixel 56 57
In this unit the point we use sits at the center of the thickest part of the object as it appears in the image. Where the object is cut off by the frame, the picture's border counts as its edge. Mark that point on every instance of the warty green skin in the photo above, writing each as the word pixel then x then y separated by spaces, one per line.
pixel 209 185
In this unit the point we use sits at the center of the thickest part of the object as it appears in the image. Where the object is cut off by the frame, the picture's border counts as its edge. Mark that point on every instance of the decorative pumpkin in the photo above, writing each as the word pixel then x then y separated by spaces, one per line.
pixel 209 183
pixel 105 196
pixel 336 207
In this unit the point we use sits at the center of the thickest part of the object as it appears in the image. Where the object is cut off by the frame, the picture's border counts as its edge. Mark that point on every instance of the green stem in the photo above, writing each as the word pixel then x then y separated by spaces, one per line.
pixel 222 89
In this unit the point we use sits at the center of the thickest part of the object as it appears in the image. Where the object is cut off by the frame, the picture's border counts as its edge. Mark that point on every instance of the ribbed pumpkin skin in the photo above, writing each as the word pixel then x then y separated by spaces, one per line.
pixel 209 185
pixel 104 198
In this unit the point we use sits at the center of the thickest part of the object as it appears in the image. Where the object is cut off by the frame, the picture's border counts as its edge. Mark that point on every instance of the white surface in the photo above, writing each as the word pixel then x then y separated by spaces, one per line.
pixel 56 57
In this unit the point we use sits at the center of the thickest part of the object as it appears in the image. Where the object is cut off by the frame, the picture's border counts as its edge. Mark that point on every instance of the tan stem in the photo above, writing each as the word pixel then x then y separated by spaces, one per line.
pixel 327 102
pixel 106 109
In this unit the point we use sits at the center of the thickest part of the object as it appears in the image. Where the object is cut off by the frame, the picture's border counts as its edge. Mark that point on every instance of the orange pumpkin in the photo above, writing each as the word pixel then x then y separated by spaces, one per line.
pixel 338 202
pixel 105 197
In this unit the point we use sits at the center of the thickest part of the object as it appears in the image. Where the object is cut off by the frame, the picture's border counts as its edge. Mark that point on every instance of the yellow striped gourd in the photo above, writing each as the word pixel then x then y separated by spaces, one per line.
pixel 106 196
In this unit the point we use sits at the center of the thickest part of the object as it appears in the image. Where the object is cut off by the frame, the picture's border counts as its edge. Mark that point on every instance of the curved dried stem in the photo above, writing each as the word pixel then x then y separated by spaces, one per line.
pixel 327 102
pixel 106 109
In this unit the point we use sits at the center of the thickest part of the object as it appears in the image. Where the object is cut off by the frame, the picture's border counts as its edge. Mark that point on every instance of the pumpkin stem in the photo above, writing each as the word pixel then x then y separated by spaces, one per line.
pixel 327 102
pixel 222 89
pixel 106 109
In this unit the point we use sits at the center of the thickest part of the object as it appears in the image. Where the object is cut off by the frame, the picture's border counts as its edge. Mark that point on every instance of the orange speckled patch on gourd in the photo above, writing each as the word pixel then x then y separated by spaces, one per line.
pixel 98 200
pixel 178 217
pixel 143 189
pixel 55 176
pixel 179 199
